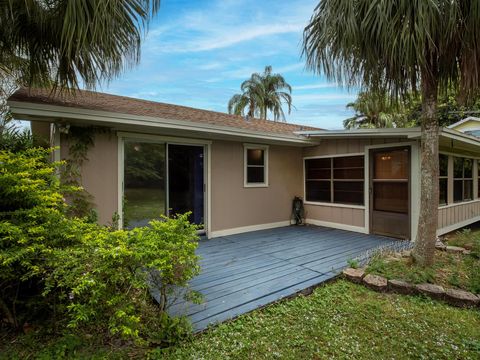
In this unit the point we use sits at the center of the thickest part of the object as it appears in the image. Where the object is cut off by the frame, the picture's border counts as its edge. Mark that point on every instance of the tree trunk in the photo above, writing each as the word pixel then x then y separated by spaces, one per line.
pixel 424 250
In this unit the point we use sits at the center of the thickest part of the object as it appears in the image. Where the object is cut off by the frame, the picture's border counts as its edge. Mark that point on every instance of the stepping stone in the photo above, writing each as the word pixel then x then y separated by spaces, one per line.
pixel 354 275
pixel 431 290
pixel 461 298
pixel 467 252
pixel 401 287
pixel 455 249
pixel 375 282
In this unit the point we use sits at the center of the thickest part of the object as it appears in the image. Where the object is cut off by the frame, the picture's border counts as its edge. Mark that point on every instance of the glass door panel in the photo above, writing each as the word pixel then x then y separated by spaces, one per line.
pixel 144 182
pixel 186 181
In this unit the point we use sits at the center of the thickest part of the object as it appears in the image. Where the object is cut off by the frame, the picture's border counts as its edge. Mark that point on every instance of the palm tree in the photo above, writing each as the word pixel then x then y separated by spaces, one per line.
pixel 262 93
pixel 399 45
pixel 374 109
pixel 71 43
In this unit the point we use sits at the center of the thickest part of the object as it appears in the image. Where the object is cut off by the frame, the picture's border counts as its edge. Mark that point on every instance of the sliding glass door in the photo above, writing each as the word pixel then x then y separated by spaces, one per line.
pixel 154 185
pixel 186 181
pixel 144 183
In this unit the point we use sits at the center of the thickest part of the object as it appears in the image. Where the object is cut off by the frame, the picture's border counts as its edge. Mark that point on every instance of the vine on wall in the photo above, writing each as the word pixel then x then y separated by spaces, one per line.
pixel 80 141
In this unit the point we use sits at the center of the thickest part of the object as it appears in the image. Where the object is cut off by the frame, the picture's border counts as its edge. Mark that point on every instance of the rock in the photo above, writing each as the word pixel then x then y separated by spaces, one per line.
pixel 392 258
pixel 455 249
pixel 467 252
pixel 376 282
pixel 406 253
pixel 401 287
pixel 461 298
pixel 440 246
pixel 354 275
pixel 433 291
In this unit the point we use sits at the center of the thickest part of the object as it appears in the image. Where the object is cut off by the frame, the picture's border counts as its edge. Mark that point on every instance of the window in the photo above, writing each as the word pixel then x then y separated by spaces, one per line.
pixel 443 180
pixel 478 178
pixel 256 166
pixel 462 179
pixel 337 180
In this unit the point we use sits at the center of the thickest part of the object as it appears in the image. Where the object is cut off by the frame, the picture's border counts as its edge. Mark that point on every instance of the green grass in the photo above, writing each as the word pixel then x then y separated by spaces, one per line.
pixel 451 270
pixel 338 321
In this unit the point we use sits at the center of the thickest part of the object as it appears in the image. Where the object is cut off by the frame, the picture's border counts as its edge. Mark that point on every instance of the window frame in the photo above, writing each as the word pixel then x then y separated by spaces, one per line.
pixel 332 181
pixel 444 177
pixel 463 179
pixel 265 149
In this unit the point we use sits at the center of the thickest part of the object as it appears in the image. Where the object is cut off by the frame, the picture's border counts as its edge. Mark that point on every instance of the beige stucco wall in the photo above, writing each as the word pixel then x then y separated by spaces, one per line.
pixel 233 205
pixel 100 173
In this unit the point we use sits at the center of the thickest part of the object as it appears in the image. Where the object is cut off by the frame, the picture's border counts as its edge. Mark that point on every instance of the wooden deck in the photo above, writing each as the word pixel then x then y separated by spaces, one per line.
pixel 246 271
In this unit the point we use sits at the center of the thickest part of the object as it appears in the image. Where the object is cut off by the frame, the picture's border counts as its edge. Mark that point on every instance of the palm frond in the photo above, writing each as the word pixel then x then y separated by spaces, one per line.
pixel 73 43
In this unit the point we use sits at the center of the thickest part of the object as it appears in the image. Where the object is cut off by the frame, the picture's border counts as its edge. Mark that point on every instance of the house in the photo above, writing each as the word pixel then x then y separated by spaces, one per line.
pixel 237 174
pixel 469 125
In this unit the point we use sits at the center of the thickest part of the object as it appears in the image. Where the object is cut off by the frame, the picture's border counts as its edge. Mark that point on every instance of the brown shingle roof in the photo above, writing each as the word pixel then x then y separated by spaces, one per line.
pixel 125 105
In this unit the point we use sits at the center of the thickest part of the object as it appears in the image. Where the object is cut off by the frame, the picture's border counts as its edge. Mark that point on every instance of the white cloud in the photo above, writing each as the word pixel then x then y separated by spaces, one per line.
pixel 224 36
pixel 323 97
pixel 315 86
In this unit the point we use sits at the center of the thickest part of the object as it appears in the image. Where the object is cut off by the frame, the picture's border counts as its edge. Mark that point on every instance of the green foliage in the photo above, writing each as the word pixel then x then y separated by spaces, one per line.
pixel 262 93
pixel 78 274
pixel 398 269
pixel 353 263
pixel 375 109
pixel 70 43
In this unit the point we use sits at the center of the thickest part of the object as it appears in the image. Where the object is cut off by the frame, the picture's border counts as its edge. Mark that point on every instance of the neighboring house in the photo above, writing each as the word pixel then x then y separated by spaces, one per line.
pixel 238 174
pixel 469 125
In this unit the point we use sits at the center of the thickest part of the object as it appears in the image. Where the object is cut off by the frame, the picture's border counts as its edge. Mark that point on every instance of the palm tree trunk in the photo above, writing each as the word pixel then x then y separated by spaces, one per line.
pixel 427 226
pixel 251 109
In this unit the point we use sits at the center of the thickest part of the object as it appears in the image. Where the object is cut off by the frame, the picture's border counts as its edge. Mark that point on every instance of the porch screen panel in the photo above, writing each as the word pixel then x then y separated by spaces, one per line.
pixel 348 180
pixel 318 175
pixel 443 180
pixel 144 182
pixel 337 180
pixel 462 179
pixel 390 181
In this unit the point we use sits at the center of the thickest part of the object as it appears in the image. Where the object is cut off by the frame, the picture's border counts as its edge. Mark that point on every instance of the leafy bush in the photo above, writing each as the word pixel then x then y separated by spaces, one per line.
pixel 81 275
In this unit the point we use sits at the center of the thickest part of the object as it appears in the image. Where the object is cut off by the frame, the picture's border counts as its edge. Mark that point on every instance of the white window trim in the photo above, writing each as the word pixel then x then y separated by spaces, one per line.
pixel 122 136
pixel 265 167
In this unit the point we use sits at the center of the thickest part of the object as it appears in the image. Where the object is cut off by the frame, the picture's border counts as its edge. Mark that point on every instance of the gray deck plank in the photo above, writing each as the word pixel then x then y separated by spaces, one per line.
pixel 245 271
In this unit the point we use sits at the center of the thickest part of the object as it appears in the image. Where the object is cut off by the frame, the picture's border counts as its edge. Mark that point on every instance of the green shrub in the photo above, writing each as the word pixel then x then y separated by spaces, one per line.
pixel 80 275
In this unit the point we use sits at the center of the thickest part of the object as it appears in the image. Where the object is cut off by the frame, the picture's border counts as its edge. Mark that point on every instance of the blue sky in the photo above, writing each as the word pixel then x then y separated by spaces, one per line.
pixel 197 53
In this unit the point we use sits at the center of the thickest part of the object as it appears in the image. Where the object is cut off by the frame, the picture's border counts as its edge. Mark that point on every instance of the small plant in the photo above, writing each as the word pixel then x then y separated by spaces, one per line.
pixel 353 263
pixel 454 279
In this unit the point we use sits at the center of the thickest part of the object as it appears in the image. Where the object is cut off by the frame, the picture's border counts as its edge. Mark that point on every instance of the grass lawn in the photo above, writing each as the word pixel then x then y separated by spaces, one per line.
pixel 338 321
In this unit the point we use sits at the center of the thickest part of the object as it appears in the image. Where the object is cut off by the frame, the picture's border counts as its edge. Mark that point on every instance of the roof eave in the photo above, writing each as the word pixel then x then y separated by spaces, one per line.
pixel 45 112
pixel 411 133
